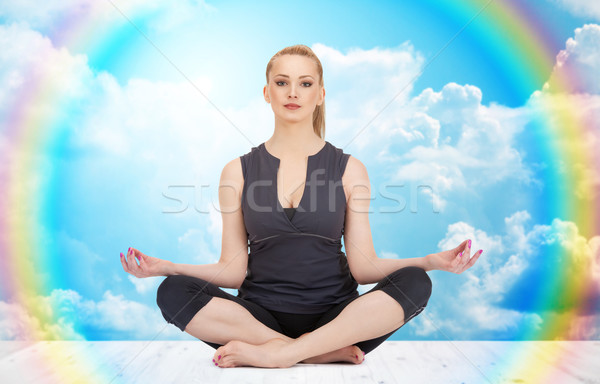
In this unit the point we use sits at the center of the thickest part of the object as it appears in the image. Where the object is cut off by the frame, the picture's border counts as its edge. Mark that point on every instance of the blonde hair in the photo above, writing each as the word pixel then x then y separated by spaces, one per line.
pixel 303 50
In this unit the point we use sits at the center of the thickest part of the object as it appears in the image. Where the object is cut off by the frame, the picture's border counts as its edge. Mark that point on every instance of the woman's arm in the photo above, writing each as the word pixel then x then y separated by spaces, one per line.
pixel 221 273
pixel 230 270
pixel 365 265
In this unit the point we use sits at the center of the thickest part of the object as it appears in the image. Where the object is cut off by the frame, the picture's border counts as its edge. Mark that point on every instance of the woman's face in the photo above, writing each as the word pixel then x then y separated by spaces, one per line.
pixel 294 80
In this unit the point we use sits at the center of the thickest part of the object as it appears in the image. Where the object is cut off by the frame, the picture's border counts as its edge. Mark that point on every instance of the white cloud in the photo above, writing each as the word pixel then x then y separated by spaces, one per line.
pixel 447 140
pixel 569 106
pixel 477 302
pixel 59 315
pixel 583 8
pixel 573 125
pixel 49 14
pixel 586 327
pixel 492 245
pixel 16 323
pixel 145 284
pixel 196 244
pixel 61 72
pixel 576 68
pixel 360 83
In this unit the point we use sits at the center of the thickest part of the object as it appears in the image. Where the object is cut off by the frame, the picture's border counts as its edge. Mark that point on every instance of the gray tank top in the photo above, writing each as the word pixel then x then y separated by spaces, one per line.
pixel 296 263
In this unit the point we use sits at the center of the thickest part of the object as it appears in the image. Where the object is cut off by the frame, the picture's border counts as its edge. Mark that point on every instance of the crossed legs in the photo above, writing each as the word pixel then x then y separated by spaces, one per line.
pixel 365 321
pixel 231 321
pixel 216 317
pixel 355 323
pixel 244 333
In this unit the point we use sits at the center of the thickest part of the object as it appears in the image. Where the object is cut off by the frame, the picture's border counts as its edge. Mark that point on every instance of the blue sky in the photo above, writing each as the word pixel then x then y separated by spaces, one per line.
pixel 133 129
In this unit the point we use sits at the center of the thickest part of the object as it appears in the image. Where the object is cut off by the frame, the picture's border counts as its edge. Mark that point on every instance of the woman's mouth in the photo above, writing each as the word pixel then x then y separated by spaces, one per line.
pixel 292 106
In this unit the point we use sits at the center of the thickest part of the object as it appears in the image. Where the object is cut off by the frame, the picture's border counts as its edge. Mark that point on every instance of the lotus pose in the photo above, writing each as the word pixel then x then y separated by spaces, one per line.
pixel 285 205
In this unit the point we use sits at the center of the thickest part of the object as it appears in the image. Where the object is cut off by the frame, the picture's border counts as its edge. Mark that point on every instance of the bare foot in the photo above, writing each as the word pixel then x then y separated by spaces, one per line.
pixel 240 354
pixel 349 354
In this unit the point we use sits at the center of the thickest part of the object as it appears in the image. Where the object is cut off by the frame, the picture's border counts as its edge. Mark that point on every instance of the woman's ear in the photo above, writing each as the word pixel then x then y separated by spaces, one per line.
pixel 322 98
pixel 266 94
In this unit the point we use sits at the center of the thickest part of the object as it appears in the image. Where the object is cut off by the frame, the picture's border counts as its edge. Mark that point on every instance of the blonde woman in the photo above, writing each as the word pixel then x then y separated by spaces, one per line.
pixel 291 200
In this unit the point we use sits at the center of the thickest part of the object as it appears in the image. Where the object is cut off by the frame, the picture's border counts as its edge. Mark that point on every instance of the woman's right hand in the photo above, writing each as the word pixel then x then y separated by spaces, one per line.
pixel 149 266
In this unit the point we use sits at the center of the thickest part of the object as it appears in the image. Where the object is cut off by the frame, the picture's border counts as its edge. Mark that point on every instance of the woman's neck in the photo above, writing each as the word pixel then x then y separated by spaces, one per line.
pixel 294 142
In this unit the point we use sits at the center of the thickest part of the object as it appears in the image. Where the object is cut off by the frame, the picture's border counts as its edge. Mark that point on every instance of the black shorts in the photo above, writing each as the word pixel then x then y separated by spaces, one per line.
pixel 180 297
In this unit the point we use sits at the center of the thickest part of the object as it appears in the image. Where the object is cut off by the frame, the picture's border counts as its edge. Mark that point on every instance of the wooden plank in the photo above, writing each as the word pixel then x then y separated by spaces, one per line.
pixel 9 347
pixel 392 362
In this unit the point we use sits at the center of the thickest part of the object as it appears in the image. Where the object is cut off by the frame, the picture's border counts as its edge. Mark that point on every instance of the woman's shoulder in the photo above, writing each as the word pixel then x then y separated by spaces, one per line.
pixel 236 168
pixel 353 176
pixel 233 165
pixel 351 166
pixel 232 173
pixel 355 172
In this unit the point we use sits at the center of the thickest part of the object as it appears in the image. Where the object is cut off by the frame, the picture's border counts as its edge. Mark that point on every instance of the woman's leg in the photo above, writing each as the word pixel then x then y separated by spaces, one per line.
pixel 367 318
pixel 223 317
pixel 296 325
pixel 409 286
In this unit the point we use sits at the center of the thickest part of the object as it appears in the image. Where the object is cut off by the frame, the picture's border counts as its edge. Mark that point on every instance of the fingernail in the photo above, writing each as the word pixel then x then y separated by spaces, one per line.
pixel 364 353
pixel 219 357
pixel 460 254
pixel 121 254
pixel 213 360
pixel 356 356
pixel 469 243
pixel 480 251
pixel 216 364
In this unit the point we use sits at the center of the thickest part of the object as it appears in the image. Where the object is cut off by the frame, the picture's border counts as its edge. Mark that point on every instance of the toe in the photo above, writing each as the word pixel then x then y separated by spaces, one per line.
pixel 223 363
pixel 357 354
pixel 218 356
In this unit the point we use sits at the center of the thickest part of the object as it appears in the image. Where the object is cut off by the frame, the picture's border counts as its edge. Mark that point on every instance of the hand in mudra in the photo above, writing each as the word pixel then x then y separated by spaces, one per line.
pixel 149 266
pixel 456 260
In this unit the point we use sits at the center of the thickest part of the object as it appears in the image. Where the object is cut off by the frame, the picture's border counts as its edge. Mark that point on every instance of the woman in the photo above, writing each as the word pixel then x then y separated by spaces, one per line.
pixel 297 291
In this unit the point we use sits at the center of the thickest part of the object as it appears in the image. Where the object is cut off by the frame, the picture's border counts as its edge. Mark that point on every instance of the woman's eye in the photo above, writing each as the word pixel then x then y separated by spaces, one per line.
pixel 306 83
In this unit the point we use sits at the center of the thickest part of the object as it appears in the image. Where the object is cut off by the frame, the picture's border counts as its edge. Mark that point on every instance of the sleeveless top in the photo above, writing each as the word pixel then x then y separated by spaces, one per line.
pixel 296 263
pixel 290 212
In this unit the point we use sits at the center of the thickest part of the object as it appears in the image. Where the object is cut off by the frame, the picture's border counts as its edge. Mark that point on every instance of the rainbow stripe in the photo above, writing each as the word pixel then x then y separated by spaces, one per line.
pixel 524 44
pixel 510 30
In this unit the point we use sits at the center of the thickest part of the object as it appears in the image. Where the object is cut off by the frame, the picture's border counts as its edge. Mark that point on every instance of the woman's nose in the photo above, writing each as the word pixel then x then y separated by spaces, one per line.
pixel 292 91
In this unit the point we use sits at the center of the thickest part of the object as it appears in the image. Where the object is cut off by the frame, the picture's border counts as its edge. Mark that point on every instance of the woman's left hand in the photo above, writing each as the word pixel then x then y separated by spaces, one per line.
pixel 456 260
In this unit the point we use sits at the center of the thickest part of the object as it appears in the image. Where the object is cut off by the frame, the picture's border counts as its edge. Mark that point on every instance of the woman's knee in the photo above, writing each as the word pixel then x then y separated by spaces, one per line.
pixel 424 281
pixel 417 281
pixel 167 288
pixel 174 286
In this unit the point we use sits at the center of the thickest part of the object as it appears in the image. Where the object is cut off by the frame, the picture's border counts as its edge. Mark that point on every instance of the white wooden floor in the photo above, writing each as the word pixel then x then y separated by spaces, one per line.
pixel 392 362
